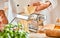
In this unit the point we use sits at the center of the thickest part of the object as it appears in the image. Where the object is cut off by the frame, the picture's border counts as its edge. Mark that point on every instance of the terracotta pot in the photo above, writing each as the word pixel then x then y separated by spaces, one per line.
pixel 3 18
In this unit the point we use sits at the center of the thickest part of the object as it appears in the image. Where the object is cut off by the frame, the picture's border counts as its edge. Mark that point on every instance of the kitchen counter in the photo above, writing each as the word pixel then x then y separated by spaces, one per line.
pixel 37 35
pixel 50 32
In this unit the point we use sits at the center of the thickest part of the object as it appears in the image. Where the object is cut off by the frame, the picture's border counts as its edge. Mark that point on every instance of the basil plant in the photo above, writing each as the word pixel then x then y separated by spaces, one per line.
pixel 13 31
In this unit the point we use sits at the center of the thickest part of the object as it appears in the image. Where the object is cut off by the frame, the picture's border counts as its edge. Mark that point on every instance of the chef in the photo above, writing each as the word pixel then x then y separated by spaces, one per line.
pixel 37 5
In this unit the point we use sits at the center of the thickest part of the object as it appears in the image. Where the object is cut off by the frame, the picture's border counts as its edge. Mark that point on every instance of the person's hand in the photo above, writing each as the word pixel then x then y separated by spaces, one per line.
pixel 41 6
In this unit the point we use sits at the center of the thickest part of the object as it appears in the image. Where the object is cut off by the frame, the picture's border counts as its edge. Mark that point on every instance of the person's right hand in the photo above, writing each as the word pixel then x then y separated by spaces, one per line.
pixel 41 6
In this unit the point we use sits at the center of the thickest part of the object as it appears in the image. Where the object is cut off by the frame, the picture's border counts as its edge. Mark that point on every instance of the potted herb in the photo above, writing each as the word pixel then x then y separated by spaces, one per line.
pixel 13 31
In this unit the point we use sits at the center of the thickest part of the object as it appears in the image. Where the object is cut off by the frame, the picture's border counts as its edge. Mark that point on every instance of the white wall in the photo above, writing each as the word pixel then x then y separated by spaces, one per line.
pixel 55 13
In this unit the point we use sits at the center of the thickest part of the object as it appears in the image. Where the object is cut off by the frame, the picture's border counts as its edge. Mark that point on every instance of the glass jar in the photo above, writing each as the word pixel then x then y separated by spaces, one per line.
pixel 36 20
pixel 57 25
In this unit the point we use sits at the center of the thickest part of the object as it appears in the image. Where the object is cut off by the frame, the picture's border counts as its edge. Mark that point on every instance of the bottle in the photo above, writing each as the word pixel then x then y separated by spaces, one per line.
pixel 57 26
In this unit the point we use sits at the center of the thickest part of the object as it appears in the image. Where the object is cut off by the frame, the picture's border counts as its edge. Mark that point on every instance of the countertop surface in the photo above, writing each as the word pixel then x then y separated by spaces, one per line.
pixel 37 35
